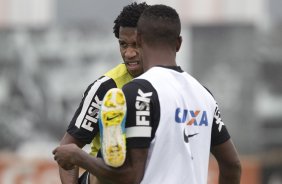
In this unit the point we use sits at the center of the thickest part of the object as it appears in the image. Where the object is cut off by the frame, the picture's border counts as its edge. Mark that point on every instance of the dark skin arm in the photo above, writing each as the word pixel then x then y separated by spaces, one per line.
pixel 131 172
pixel 228 162
pixel 69 176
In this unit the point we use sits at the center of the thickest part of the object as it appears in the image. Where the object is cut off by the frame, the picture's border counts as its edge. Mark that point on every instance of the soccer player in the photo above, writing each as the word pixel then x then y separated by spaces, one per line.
pixel 83 126
pixel 172 120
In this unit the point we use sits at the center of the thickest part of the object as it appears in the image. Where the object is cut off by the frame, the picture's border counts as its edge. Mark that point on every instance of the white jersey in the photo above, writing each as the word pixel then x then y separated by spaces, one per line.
pixel 177 122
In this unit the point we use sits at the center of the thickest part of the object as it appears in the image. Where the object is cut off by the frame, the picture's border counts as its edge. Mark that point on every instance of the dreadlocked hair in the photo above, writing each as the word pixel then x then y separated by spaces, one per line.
pixel 129 16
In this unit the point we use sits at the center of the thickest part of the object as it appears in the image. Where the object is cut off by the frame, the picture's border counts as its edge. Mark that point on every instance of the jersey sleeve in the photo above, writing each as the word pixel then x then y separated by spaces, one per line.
pixel 219 131
pixel 143 113
pixel 84 124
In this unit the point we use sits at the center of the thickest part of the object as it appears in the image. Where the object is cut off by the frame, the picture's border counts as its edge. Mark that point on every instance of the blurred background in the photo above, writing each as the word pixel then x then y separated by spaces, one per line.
pixel 50 51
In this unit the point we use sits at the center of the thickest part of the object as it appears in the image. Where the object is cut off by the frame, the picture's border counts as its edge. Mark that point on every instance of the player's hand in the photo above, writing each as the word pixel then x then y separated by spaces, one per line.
pixel 65 155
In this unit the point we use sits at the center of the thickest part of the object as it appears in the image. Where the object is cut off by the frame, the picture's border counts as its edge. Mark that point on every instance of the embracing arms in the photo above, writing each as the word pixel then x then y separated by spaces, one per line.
pixel 130 172
pixel 69 176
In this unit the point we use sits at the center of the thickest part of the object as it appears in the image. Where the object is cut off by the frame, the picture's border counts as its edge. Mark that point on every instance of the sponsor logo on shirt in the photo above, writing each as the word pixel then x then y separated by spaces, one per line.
pixel 142 106
pixel 91 115
pixel 191 117
pixel 218 119
pixel 187 136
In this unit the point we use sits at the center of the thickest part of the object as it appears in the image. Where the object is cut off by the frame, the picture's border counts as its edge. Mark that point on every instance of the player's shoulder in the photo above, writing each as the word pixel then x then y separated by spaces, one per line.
pixel 100 85
pixel 120 68
pixel 119 74
pixel 139 86
pixel 102 81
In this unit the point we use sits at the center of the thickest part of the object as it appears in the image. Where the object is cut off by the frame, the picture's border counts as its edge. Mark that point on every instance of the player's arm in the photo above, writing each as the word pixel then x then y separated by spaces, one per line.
pixel 228 162
pixel 69 176
pixel 73 136
pixel 225 152
pixel 138 98
pixel 132 171
pixel 83 126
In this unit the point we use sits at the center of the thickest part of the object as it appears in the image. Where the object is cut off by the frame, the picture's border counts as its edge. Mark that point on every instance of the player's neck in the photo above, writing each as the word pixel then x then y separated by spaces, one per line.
pixel 160 57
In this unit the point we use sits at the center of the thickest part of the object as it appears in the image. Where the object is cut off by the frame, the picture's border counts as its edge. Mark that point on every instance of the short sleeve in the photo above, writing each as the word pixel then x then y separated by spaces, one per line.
pixel 219 131
pixel 84 124
pixel 143 113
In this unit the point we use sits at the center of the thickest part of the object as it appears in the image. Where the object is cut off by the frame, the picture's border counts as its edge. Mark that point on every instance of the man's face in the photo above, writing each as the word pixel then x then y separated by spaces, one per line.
pixel 129 50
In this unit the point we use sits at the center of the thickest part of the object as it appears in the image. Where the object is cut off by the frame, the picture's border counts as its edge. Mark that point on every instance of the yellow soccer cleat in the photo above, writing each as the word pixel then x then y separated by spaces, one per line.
pixel 112 127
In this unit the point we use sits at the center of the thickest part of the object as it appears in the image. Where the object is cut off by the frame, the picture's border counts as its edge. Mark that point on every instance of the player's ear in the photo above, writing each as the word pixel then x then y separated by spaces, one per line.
pixel 178 43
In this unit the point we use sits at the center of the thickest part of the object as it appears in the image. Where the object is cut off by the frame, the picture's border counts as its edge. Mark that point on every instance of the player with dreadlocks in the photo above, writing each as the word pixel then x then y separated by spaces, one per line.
pixel 83 128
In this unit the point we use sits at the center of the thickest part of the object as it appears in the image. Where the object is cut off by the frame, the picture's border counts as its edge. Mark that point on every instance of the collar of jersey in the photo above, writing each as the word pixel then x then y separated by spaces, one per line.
pixel 176 68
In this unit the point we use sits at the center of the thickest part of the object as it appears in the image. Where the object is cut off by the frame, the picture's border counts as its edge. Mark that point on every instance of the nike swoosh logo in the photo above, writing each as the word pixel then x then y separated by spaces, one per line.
pixel 186 137
pixel 110 118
